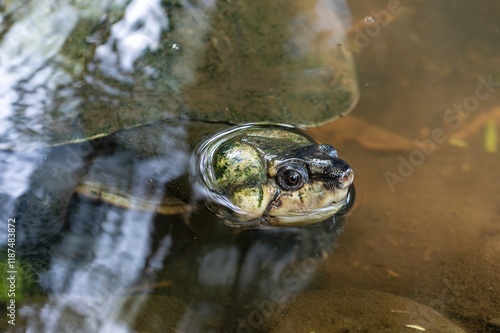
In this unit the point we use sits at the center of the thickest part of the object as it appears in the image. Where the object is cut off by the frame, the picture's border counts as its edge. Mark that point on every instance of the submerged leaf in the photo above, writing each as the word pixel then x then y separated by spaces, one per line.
pixel 368 136
pixel 476 124
pixel 491 137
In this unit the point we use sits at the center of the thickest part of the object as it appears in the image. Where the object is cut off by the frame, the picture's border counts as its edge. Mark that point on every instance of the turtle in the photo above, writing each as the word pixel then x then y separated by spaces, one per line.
pixel 151 74
pixel 116 111
pixel 249 175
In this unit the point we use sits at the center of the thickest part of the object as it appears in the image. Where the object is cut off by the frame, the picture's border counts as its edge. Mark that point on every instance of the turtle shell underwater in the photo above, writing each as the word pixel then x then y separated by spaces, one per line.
pixel 158 107
pixel 166 89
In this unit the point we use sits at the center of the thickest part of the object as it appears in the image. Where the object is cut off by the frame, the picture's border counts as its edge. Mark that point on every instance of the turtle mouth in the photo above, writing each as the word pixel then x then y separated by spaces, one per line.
pixel 303 218
pixel 338 203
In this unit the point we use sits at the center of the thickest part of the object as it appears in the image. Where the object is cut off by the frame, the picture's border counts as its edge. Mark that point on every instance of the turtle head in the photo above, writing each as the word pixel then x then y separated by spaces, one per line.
pixel 273 175
pixel 312 185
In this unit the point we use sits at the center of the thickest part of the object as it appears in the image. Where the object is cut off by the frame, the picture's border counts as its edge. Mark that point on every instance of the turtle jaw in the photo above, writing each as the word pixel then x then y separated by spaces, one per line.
pixel 305 218
pixel 292 210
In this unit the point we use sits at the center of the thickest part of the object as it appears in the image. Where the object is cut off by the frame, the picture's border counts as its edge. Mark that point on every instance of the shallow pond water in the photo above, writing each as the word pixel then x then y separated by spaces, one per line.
pixel 428 221
pixel 422 141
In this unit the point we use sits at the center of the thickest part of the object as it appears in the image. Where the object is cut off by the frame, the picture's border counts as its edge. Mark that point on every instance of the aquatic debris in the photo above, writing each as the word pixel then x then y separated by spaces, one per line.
pixel 465 167
pixel 476 124
pixel 491 137
pixel 495 322
pixel 392 273
pixel 416 327
pixel 457 143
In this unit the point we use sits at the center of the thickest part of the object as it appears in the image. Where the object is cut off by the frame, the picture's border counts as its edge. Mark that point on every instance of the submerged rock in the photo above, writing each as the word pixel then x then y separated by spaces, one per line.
pixel 356 310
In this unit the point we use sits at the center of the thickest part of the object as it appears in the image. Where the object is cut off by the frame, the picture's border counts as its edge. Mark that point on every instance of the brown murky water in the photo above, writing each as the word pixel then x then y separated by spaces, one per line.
pixel 432 231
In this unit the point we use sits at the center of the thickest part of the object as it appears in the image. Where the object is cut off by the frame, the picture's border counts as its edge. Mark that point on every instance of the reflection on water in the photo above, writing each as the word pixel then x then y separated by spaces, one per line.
pixel 77 69
pixel 100 261
pixel 109 66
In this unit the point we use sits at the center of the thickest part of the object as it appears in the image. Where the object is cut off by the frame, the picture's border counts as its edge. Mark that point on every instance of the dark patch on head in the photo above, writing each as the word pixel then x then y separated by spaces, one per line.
pixel 277 203
pixel 330 185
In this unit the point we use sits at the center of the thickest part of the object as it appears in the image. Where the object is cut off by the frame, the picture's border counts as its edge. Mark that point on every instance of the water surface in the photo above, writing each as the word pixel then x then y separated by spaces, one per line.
pixel 426 225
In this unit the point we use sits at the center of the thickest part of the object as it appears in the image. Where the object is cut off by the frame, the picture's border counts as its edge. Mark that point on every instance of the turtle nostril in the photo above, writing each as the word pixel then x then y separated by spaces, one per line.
pixel 346 178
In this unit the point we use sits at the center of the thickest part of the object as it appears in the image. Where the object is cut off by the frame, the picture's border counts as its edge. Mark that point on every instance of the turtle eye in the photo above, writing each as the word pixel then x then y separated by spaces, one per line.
pixel 291 177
